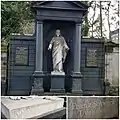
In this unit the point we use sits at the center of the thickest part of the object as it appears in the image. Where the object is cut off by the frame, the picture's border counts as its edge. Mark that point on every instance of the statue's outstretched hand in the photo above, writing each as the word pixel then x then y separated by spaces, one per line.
pixel 68 48
pixel 50 46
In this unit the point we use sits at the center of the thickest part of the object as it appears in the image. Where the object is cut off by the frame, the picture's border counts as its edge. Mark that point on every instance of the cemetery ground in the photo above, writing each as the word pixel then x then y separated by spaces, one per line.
pixel 29 64
pixel 88 67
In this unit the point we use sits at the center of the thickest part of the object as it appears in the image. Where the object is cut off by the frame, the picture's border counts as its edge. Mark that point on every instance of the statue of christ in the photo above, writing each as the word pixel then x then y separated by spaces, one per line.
pixel 59 51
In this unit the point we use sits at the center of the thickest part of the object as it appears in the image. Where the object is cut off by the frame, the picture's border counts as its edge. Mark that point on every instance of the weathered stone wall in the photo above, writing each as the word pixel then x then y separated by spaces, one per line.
pixel 93 107
pixel 3 66
pixel 3 72
pixel 112 68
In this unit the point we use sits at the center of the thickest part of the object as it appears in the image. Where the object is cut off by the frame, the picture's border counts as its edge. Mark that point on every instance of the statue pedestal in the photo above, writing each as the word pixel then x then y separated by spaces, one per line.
pixel 57 82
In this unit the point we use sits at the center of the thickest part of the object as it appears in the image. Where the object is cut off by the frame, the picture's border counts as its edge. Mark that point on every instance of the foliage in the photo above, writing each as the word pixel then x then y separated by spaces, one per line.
pixel 13 14
pixel 4 49
pixel 85 27
pixel 85 24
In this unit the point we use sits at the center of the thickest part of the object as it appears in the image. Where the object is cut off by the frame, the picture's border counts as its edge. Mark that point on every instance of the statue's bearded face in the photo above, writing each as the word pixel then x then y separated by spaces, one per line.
pixel 57 33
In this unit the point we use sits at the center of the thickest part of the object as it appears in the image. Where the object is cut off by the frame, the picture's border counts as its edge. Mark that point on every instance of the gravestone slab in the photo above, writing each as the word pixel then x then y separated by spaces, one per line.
pixel 21 56
pixel 93 107
pixel 91 58
pixel 29 107
pixel 57 82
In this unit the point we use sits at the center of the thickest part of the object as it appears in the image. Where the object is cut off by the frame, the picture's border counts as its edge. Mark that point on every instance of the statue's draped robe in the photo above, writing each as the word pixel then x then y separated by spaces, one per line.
pixel 59 52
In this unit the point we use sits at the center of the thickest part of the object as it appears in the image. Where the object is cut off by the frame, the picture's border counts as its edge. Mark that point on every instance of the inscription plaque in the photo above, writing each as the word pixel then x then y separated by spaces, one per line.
pixel 21 56
pixel 92 107
pixel 91 59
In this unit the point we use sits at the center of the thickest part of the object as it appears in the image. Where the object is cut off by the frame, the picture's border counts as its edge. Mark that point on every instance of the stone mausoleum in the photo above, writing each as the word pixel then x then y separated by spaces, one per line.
pixel 30 63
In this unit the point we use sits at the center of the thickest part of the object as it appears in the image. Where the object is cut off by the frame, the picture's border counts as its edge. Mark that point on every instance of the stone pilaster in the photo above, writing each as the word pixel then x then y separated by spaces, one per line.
pixel 38 82
pixel 76 75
